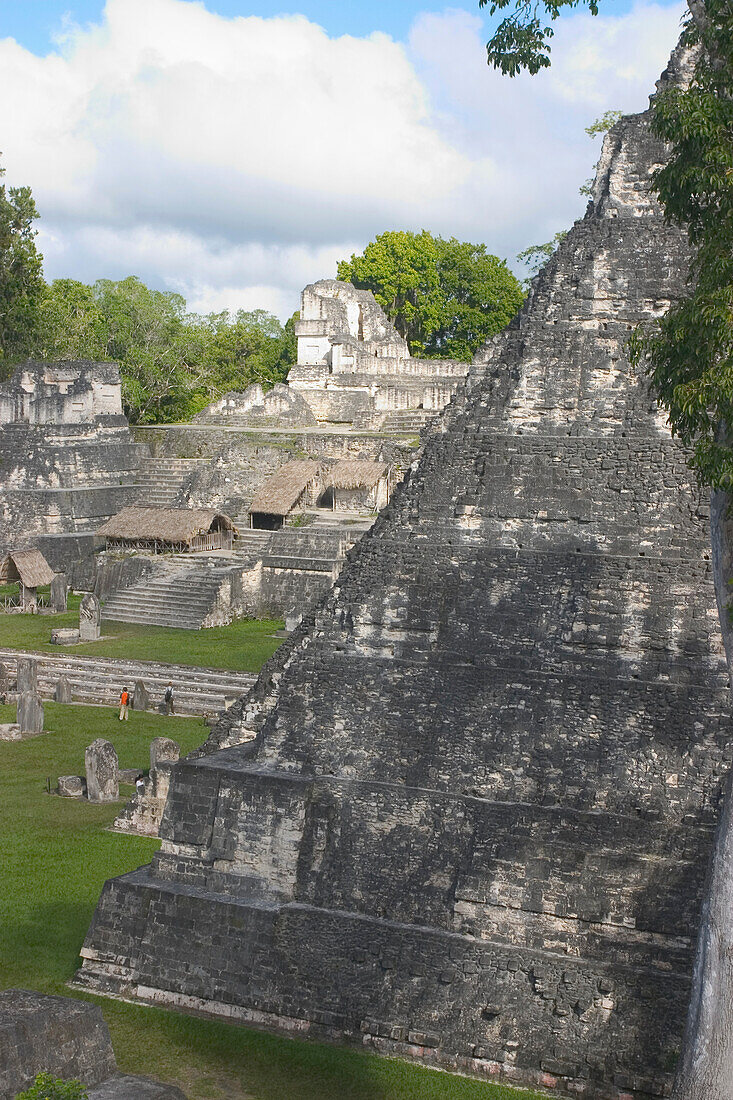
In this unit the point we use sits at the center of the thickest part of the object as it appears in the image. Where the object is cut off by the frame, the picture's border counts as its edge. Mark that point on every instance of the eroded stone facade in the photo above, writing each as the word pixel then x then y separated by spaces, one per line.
pixel 474 824
pixel 68 459
pixel 353 366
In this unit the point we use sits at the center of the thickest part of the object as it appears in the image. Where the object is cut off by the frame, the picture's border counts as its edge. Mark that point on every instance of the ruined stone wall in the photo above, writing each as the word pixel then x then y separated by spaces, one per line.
pixel 60 393
pixel 67 458
pixel 353 364
pixel 474 824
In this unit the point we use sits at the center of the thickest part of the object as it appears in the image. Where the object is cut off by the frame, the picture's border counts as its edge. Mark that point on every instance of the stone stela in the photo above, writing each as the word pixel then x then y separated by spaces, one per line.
pixel 102 771
pixel 90 618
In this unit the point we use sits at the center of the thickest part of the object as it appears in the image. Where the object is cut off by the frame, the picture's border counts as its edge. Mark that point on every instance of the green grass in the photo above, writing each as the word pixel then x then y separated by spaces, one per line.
pixel 58 852
pixel 244 645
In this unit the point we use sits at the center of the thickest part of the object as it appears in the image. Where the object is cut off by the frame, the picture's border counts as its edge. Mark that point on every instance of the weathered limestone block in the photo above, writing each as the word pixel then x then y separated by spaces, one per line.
pixel 140 697
pixel 59 592
pixel 56 1035
pixel 144 812
pixel 27 674
pixel 62 692
pixel 30 712
pixel 90 618
pixel 102 771
pixel 163 748
pixel 72 786
pixel 70 1040
pixel 65 635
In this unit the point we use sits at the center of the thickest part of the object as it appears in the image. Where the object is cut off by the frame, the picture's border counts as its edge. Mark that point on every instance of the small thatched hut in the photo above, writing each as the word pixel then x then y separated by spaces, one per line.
pixel 293 485
pixel 164 529
pixel 31 570
pixel 356 485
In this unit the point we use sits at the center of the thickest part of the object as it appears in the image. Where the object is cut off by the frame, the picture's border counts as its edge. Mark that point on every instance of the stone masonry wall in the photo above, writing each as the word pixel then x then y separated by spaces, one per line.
pixel 67 458
pixel 474 823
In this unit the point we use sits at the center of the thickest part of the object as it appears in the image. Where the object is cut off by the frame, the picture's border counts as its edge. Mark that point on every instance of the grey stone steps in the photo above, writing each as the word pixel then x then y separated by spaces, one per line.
pixel 180 598
pixel 100 680
pixel 313 565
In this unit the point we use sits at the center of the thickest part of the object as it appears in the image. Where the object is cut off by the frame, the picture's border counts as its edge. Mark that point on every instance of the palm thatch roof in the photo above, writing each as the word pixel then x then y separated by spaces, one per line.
pixel 177 525
pixel 28 566
pixel 354 473
pixel 281 492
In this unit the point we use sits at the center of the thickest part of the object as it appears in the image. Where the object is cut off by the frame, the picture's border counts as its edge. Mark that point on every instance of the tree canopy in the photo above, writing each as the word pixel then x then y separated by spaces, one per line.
pixel 173 362
pixel 690 355
pixel 21 279
pixel 445 297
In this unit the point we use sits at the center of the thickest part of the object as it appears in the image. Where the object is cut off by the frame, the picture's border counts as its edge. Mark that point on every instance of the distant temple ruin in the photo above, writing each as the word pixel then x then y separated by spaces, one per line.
pixel 474 824
pixel 68 458
pixel 353 365
pixel 352 368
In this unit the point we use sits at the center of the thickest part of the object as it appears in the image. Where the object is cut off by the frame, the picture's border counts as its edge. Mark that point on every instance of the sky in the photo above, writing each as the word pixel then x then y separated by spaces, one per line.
pixel 234 151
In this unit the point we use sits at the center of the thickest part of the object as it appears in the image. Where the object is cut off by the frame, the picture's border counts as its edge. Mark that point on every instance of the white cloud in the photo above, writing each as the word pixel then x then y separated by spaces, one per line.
pixel 230 158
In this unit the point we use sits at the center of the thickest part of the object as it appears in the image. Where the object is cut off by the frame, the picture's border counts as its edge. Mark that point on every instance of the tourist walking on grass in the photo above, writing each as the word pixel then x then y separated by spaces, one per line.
pixel 168 699
pixel 124 704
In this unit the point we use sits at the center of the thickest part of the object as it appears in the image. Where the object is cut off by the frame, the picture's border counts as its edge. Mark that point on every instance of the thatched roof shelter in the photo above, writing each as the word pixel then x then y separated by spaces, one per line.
pixel 175 526
pixel 354 473
pixel 282 491
pixel 27 566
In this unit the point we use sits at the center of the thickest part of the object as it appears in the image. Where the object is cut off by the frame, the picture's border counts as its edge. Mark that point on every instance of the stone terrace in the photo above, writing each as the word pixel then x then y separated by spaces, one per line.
pixel 99 680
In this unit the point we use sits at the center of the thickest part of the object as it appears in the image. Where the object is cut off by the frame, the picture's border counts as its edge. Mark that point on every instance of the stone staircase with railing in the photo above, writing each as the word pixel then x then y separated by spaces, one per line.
pixel 99 680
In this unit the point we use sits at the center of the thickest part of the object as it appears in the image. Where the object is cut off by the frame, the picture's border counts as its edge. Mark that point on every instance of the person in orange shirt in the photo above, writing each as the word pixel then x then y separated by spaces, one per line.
pixel 124 704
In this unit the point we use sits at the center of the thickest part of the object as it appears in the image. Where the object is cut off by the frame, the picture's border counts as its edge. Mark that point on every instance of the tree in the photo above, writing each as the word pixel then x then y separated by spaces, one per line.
pixel 71 323
pixel 173 362
pixel 21 280
pixel 690 360
pixel 445 297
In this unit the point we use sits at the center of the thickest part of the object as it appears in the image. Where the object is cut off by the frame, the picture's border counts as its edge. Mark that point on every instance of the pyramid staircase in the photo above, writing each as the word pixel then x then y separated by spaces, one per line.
pixel 99 680
pixel 407 420
pixel 161 479
pixel 181 596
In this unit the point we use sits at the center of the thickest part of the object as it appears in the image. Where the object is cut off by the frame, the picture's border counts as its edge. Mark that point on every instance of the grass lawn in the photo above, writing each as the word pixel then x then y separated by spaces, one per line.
pixel 58 852
pixel 244 645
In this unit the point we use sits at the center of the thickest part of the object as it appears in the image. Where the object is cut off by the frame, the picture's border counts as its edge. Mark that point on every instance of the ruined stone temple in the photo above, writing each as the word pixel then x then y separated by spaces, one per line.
pixel 68 458
pixel 353 367
pixel 473 829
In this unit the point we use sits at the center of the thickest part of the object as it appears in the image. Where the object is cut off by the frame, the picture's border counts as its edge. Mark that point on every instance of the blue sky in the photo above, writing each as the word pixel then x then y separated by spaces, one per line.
pixel 34 23
pixel 235 160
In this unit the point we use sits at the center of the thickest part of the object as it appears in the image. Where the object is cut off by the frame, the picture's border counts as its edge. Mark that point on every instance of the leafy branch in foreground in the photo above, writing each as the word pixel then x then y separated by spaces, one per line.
pixel 689 355
pixel 521 41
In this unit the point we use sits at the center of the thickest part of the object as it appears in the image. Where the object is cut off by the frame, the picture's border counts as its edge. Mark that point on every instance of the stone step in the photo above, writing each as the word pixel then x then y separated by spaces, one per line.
pixel 313 565
pixel 100 680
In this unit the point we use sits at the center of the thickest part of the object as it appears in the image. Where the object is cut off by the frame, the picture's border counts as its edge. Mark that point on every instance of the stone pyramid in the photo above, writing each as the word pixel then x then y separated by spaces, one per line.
pixel 474 827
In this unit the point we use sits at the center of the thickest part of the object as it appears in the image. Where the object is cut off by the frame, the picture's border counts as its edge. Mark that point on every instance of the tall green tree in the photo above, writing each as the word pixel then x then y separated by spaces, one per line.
pixel 173 362
pixel 445 297
pixel 21 278
pixel 690 360
pixel 71 323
